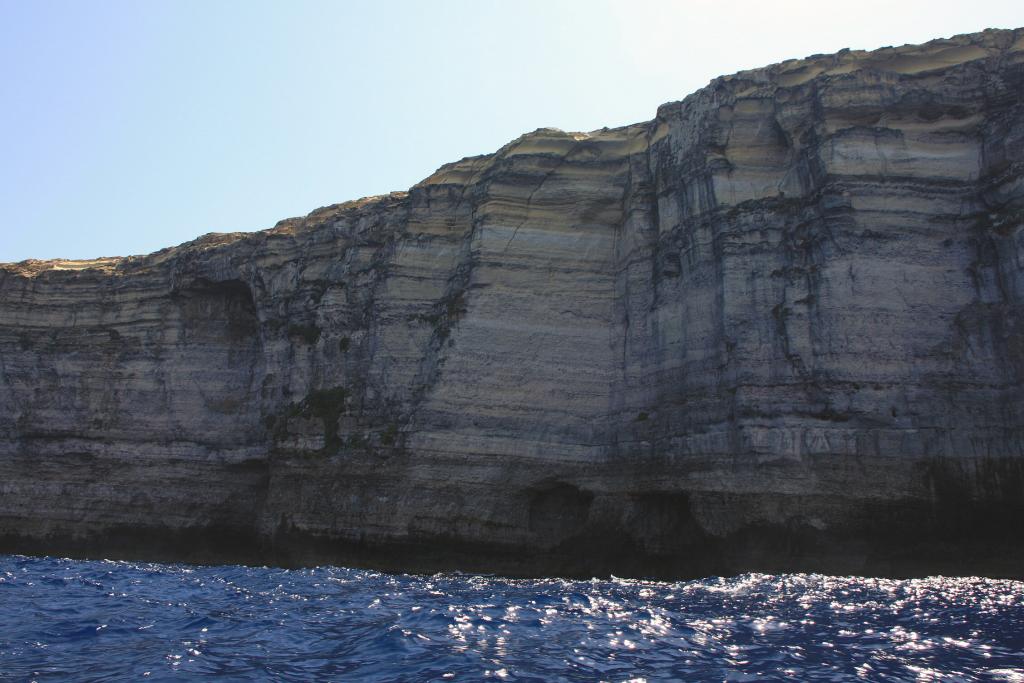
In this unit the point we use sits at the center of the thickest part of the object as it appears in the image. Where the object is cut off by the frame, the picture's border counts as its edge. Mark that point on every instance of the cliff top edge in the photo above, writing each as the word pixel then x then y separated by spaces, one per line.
pixel 911 59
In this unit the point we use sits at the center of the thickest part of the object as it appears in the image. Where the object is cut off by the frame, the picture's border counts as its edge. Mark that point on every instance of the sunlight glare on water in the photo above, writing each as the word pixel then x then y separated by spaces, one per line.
pixel 64 619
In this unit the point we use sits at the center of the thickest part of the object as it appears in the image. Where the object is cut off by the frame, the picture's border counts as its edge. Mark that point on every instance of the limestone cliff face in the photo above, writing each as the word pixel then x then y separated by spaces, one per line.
pixel 780 326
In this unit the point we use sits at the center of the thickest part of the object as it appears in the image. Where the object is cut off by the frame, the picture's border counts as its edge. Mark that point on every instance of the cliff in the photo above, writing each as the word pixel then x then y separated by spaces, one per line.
pixel 779 327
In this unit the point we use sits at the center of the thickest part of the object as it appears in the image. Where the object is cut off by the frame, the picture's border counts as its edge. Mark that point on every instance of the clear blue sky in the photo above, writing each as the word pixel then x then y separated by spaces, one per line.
pixel 129 126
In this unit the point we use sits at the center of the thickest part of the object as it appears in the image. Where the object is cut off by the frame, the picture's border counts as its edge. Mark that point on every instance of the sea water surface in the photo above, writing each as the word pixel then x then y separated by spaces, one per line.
pixel 97 620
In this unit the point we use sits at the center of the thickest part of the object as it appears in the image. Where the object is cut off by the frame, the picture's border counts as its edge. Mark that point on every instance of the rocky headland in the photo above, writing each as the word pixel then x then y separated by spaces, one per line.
pixel 780 327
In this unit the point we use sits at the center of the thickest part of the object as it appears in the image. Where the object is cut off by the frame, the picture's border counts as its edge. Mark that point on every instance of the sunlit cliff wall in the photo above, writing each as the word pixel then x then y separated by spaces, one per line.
pixel 779 327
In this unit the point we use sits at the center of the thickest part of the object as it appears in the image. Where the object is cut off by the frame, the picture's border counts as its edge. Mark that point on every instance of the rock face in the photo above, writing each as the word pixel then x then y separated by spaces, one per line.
pixel 779 327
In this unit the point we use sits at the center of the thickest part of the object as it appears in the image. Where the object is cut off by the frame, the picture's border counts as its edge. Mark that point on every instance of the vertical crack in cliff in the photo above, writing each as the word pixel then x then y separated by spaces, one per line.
pixel 543 180
pixel 445 315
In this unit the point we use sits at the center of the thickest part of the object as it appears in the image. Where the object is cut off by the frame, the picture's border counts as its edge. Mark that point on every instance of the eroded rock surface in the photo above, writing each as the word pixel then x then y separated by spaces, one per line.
pixel 779 327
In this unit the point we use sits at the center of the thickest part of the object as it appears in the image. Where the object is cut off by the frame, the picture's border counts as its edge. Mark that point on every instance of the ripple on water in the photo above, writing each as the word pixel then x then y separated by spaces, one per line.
pixel 62 618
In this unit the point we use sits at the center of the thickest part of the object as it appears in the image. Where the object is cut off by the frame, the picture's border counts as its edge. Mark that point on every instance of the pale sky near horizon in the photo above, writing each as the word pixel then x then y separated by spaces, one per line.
pixel 130 126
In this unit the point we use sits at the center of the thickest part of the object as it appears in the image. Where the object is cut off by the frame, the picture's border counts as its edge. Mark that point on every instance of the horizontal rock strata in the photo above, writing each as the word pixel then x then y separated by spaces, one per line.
pixel 779 327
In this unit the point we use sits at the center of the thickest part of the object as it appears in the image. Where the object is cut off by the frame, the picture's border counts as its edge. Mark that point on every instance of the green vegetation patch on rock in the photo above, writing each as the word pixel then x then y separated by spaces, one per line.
pixel 327 404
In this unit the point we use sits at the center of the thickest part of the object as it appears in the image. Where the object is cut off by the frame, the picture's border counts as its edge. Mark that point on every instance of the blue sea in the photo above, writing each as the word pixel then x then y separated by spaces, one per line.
pixel 77 620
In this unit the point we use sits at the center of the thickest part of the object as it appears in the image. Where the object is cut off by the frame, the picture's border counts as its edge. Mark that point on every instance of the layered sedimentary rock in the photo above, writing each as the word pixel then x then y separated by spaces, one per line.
pixel 779 327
